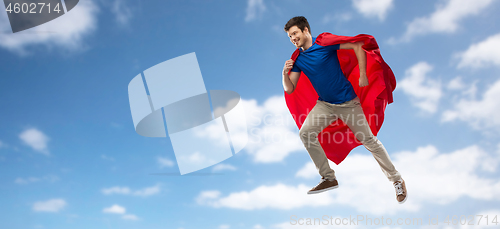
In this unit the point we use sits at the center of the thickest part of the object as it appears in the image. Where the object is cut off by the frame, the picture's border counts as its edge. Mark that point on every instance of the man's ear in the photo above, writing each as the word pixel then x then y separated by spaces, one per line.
pixel 306 30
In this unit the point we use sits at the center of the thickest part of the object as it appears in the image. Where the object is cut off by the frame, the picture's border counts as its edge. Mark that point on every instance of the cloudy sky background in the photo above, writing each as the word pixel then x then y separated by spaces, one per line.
pixel 70 158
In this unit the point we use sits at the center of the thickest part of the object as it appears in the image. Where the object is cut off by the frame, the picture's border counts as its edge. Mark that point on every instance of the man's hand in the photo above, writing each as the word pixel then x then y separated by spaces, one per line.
pixel 290 81
pixel 363 80
pixel 288 66
pixel 361 55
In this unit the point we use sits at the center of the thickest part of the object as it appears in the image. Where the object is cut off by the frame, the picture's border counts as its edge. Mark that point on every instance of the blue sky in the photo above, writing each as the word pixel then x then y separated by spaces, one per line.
pixel 70 157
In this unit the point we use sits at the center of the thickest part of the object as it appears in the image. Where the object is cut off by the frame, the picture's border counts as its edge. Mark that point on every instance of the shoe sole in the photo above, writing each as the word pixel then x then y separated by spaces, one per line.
pixel 406 197
pixel 323 190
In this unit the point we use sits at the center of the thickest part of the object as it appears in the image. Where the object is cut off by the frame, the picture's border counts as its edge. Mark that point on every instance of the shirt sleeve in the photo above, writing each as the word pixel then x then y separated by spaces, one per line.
pixel 334 47
pixel 295 68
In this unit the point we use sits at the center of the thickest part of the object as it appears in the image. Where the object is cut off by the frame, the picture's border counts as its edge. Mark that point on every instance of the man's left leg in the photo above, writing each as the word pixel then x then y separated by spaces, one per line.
pixel 352 115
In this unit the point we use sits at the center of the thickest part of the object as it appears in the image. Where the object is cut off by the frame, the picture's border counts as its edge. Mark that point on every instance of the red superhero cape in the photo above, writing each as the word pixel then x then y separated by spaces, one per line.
pixel 337 139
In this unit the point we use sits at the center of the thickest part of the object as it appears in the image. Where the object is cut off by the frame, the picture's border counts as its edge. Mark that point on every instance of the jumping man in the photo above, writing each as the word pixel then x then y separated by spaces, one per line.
pixel 336 99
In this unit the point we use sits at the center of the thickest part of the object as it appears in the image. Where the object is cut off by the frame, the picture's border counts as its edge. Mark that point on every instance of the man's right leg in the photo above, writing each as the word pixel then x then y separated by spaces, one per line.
pixel 318 119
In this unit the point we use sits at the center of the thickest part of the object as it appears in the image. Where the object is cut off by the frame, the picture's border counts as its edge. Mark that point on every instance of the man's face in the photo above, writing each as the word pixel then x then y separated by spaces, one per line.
pixel 297 37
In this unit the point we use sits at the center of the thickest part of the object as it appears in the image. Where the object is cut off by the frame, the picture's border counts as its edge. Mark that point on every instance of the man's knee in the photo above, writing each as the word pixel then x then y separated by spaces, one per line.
pixel 306 134
pixel 370 142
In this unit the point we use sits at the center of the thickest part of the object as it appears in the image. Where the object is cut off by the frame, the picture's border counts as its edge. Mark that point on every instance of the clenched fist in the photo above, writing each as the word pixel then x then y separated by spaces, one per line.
pixel 288 65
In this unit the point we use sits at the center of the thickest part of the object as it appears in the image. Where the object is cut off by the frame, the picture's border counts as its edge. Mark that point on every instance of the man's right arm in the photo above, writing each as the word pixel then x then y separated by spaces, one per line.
pixel 290 81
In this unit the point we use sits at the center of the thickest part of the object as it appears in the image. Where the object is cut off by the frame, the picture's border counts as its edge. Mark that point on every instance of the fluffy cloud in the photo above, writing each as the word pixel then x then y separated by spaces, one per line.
pixel 49 178
pixel 66 32
pixel 115 209
pixel 481 114
pixel 164 162
pixel 423 91
pixel 148 191
pixel 456 84
pixel 130 217
pixel 122 12
pixel 255 9
pixel 36 140
pixel 445 19
pixel 373 8
pixel 119 210
pixel 52 205
pixel 481 54
pixel 222 167
pixel 279 196
pixel 273 134
pixel 431 178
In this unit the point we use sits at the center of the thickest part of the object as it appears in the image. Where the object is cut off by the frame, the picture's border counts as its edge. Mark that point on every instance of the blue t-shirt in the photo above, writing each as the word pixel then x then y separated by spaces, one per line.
pixel 322 67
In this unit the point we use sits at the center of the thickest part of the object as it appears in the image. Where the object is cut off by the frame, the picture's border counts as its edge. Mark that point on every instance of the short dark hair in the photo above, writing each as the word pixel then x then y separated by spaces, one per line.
pixel 299 21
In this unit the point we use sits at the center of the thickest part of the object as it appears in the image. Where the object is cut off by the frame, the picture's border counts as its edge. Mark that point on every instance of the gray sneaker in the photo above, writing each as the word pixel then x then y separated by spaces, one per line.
pixel 324 185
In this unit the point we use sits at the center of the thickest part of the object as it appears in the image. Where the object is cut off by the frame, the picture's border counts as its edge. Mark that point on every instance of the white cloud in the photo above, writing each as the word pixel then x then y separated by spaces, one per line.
pixel 36 140
pixel 224 226
pixel 482 54
pixel 116 190
pixel 3 145
pixel 52 205
pixel 48 178
pixel 445 19
pixel 424 92
pixel 222 167
pixel 148 191
pixel 465 89
pixel 373 8
pixel 273 134
pixel 481 114
pixel 66 31
pixel 279 196
pixel 456 84
pixel 120 210
pixel 115 209
pixel 122 12
pixel 309 171
pixel 130 217
pixel 255 9
pixel 431 178
pixel 164 162
pixel 108 158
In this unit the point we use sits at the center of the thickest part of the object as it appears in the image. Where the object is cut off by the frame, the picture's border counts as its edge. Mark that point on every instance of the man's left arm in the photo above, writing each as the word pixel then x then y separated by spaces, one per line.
pixel 361 55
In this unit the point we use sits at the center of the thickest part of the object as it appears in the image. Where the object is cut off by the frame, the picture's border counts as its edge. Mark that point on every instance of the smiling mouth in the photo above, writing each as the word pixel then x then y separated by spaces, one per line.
pixel 296 42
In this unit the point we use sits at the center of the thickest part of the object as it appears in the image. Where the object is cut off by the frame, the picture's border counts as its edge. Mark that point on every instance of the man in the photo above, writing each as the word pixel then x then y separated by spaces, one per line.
pixel 317 58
